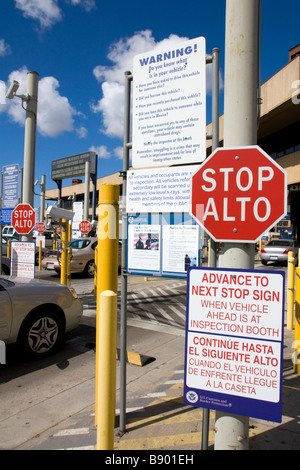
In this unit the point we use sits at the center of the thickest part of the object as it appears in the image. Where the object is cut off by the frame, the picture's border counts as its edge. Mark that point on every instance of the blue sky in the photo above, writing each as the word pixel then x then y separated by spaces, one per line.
pixel 81 49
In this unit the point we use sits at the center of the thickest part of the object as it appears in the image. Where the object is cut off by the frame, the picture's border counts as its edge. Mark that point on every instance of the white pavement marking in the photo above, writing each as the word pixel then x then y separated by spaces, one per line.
pixel 72 432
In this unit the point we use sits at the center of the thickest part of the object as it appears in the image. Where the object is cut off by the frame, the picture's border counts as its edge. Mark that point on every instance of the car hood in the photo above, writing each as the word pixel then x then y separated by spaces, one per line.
pixel 32 282
pixel 37 292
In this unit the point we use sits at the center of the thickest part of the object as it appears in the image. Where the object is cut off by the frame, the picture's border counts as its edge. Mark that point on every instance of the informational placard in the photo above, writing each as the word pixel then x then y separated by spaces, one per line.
pixel 181 246
pixel 169 105
pixel 160 189
pixel 10 186
pixel 78 216
pixel 41 238
pixel 162 244
pixel 234 341
pixel 68 167
pixel 22 259
pixel 144 245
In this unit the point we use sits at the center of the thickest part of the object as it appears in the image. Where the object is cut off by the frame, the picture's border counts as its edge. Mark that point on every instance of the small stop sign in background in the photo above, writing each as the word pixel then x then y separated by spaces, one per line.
pixel 85 226
pixel 41 227
pixel 238 194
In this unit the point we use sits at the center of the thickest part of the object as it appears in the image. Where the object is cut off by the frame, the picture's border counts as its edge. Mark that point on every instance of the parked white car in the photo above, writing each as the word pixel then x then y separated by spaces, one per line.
pixel 36 314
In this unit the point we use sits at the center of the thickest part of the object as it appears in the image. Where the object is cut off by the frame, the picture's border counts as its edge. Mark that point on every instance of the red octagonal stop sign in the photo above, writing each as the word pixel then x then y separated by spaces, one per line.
pixel 23 218
pixel 85 226
pixel 238 194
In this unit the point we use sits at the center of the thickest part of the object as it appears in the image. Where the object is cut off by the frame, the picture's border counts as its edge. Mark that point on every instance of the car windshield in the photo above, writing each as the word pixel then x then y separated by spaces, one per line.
pixel 6 283
pixel 79 244
pixel 280 243
pixel 11 239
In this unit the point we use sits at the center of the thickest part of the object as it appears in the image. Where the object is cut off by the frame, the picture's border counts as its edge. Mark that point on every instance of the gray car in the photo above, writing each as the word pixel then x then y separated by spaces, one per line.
pixel 277 251
pixel 82 257
pixel 36 314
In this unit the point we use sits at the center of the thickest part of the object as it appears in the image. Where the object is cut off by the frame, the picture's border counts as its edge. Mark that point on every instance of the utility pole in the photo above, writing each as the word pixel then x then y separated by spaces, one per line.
pixel 86 192
pixel 30 141
pixel 242 44
pixel 42 208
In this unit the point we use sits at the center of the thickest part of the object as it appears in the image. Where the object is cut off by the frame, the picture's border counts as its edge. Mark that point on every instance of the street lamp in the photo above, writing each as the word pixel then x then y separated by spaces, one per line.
pixel 31 98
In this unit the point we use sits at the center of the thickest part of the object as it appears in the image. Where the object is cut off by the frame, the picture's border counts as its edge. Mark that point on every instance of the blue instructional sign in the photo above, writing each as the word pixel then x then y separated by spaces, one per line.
pixel 6 216
pixel 10 186
pixel 234 341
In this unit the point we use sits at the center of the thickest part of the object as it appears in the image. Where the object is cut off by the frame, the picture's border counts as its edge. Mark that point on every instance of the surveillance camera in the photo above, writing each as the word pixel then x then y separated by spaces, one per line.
pixel 12 90
pixel 57 213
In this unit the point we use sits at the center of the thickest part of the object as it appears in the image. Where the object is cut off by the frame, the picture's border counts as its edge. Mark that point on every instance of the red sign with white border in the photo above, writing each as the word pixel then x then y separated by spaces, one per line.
pixel 238 194
pixel 234 341
pixel 23 219
pixel 85 226
pixel 41 227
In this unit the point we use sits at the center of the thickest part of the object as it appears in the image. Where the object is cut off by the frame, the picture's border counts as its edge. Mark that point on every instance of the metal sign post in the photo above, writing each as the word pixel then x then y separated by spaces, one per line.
pixel 240 129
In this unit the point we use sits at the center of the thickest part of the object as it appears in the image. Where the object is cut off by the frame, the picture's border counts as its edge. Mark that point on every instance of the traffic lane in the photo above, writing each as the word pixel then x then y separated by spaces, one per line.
pixel 38 395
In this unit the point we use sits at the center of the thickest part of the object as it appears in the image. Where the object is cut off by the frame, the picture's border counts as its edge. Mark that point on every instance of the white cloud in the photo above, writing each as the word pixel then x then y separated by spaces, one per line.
pixel 87 5
pixel 82 132
pixel 55 114
pixel 46 12
pixel 121 54
pixel 4 48
pixel 118 151
pixel 101 151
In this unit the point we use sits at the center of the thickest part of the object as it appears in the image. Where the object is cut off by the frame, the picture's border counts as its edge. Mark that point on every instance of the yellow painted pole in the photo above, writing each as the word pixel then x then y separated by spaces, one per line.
pixel 106 353
pixel 69 254
pixel 108 238
pixel 297 325
pixel 8 248
pixel 40 255
pixel 290 290
pixel 107 254
pixel 96 267
pixel 64 254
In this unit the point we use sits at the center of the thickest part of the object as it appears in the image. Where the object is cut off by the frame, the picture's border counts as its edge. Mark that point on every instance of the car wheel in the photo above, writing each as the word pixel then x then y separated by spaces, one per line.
pixel 41 333
pixel 89 269
pixel 264 262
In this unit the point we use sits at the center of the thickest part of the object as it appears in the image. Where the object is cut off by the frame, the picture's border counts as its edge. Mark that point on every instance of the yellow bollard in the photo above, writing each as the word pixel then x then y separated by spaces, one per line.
pixel 54 240
pixel 40 255
pixel 107 253
pixel 64 278
pixel 95 275
pixel 69 254
pixel 108 238
pixel 297 325
pixel 106 354
pixel 290 290
pixel 8 248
